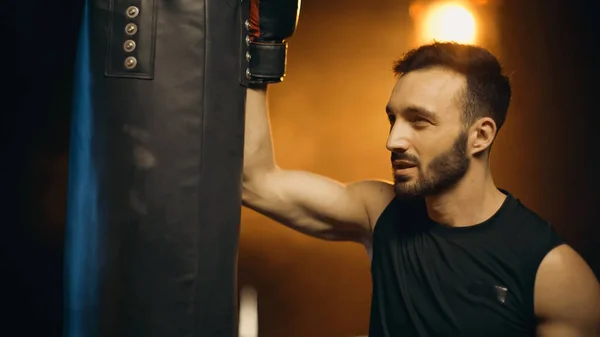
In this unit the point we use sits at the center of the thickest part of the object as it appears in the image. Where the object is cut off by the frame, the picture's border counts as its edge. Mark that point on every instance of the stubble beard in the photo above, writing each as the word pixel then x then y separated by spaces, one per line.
pixel 442 173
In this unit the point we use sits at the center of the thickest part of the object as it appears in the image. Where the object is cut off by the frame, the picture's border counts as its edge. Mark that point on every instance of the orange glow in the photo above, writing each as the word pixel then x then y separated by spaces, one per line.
pixel 446 22
pixel 248 316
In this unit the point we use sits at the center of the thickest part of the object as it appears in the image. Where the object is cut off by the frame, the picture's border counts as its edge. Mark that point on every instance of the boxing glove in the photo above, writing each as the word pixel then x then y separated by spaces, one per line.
pixel 268 25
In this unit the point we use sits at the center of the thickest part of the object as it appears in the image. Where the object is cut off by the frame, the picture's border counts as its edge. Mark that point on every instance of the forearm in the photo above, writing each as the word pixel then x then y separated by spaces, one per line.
pixel 258 146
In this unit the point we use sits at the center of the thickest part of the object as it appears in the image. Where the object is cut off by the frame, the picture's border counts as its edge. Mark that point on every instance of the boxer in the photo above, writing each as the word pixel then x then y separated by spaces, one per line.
pixel 452 254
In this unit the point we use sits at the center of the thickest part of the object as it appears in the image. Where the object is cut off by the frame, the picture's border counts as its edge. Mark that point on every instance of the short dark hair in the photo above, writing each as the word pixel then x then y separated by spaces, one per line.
pixel 488 90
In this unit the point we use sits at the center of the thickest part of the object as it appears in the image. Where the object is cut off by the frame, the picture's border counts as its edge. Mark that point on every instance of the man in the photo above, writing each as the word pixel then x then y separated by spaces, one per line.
pixel 452 254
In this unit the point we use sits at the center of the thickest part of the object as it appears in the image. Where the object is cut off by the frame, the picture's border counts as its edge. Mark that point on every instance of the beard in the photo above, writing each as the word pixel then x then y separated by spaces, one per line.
pixel 444 171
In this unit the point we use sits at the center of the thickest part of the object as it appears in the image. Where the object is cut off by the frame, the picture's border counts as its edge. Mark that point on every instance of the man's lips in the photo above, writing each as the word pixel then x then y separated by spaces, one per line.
pixel 402 164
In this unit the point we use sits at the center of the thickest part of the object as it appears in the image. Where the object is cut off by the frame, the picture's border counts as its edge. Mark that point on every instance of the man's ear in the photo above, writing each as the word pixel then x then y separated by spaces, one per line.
pixel 482 134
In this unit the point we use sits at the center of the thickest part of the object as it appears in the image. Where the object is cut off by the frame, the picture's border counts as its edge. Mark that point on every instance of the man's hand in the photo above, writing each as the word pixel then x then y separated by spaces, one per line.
pixel 269 24
pixel 567 296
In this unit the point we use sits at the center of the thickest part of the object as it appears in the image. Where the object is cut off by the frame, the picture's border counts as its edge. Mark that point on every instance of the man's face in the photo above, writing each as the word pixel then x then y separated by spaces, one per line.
pixel 427 138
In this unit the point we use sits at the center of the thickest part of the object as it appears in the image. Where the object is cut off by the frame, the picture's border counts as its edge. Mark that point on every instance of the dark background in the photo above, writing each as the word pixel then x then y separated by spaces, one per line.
pixel 546 154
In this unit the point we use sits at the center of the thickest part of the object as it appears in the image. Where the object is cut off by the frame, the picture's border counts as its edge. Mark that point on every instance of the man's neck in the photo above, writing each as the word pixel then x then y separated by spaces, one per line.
pixel 472 201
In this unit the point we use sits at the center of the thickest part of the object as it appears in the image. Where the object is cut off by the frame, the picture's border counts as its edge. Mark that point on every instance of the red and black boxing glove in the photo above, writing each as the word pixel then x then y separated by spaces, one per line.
pixel 269 24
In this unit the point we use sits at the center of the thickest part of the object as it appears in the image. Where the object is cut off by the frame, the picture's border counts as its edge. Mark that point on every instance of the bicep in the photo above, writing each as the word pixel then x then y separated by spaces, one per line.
pixel 314 204
pixel 309 203
pixel 567 296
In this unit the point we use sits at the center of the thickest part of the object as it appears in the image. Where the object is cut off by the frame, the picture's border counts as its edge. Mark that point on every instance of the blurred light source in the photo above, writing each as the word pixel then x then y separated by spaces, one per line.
pixel 248 317
pixel 445 21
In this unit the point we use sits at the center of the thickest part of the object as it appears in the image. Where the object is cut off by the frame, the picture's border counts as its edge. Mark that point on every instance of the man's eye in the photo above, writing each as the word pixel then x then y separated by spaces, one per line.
pixel 420 122
pixel 392 118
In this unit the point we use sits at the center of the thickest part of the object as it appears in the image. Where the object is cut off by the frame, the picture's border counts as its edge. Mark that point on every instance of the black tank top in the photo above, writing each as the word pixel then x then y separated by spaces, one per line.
pixel 432 281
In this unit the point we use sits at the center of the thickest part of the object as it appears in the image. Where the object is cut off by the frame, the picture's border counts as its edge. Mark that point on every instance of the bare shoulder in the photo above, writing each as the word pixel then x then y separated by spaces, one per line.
pixel 567 295
pixel 375 195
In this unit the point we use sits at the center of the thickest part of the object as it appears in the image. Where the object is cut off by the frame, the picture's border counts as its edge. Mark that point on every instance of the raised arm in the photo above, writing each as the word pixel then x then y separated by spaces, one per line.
pixel 307 202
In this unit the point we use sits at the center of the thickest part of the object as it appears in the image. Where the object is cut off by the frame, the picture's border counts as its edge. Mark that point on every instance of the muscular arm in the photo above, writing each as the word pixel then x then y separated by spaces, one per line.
pixel 309 203
pixel 567 296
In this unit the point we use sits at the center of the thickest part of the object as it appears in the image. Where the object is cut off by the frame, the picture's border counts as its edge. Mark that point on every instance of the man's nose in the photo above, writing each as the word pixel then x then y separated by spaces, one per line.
pixel 398 139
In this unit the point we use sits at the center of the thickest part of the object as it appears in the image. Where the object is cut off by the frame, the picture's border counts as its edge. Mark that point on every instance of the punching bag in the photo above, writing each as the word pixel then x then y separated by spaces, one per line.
pixel 155 166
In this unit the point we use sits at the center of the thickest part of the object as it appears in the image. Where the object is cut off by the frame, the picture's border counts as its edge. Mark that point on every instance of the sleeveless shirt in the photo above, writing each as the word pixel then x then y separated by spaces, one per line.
pixel 431 280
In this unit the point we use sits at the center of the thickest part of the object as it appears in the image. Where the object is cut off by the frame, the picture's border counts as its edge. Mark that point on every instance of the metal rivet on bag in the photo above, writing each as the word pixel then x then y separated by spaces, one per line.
pixel 130 62
pixel 131 29
pixel 132 12
pixel 248 74
pixel 247 25
pixel 248 56
pixel 129 45
pixel 247 40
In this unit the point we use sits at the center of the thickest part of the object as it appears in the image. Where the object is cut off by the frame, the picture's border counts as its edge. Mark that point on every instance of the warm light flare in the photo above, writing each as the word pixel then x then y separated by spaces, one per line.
pixel 446 22
pixel 248 316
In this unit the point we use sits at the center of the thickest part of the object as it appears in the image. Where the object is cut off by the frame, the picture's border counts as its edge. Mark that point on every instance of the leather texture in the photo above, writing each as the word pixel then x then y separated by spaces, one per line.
pixel 268 23
pixel 268 62
pixel 273 20
pixel 155 171
pixel 131 22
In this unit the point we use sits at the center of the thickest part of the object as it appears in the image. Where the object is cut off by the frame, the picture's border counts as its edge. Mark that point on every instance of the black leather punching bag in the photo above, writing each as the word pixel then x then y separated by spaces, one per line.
pixel 155 168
